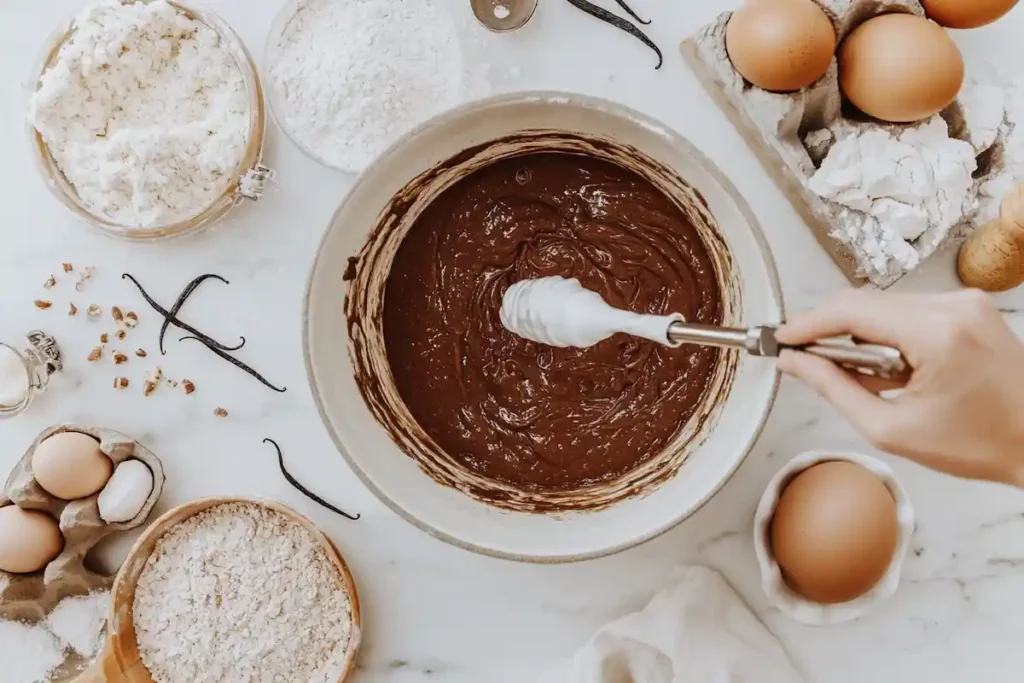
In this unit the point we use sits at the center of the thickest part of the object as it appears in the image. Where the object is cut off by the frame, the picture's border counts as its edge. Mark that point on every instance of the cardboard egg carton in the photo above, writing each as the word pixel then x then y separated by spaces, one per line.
pixel 776 127
pixel 30 597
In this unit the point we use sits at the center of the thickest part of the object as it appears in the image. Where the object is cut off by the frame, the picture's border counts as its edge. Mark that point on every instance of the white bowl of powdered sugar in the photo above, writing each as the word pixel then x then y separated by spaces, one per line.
pixel 346 79
pixel 146 118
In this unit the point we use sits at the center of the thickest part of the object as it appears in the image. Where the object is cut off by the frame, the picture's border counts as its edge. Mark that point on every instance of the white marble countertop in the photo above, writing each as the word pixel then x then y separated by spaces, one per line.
pixel 434 612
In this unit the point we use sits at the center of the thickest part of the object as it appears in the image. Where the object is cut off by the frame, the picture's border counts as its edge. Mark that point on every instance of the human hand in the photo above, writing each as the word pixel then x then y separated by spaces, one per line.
pixel 962 411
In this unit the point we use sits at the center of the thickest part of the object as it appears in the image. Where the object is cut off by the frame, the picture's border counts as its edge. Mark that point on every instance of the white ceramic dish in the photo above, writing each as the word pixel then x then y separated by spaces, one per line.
pixel 795 605
pixel 454 516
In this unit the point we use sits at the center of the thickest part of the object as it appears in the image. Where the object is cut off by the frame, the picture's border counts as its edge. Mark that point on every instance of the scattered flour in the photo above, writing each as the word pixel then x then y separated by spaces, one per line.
pixel 902 189
pixel 145 111
pixel 79 622
pixel 29 653
pixel 241 593
pixel 351 76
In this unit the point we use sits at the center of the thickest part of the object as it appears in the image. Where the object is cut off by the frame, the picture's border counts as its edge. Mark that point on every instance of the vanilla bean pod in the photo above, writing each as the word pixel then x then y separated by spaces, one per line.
pixel 619 23
pixel 302 489
pixel 212 343
pixel 185 294
pixel 630 12
pixel 198 336
pixel 237 363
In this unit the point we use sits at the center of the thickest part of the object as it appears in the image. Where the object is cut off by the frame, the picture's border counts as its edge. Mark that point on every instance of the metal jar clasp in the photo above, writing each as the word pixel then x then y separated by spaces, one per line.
pixel 254 182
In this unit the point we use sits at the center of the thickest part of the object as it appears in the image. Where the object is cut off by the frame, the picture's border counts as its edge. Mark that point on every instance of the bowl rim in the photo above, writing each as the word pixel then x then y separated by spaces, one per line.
pixel 560 98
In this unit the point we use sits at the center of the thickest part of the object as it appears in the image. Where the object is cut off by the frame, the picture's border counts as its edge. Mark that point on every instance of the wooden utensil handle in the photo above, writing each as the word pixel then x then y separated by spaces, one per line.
pixel 993 258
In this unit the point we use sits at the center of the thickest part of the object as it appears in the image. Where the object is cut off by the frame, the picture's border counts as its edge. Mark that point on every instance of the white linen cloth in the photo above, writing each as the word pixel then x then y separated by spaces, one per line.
pixel 696 631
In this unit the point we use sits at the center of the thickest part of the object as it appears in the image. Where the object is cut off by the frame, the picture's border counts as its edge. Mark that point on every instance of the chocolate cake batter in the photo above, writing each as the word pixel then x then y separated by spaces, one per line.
pixel 533 416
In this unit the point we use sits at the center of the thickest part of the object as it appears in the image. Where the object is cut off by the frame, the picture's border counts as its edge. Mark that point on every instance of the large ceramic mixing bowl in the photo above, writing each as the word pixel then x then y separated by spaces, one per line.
pixel 374 431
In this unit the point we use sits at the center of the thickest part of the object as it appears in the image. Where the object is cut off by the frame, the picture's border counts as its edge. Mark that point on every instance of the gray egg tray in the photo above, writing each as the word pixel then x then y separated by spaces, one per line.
pixel 775 126
pixel 30 597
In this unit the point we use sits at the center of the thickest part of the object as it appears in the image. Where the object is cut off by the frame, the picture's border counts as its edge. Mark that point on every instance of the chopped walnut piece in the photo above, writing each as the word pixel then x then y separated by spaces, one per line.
pixel 104 338
pixel 188 386
pixel 131 319
pixel 83 276
pixel 121 383
pixel 121 334
pixel 141 353
pixel 95 354
pixel 116 313
pixel 68 267
pixel 148 388
pixel 94 311
pixel 72 309
pixel 120 358
pixel 50 284
pixel 220 412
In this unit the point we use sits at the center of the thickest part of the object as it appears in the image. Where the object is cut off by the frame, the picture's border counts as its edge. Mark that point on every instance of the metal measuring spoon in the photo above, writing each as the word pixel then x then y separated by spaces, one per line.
pixel 501 16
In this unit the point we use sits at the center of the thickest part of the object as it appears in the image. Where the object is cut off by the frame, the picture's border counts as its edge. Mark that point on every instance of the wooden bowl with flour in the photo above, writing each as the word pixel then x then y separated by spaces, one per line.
pixel 121 660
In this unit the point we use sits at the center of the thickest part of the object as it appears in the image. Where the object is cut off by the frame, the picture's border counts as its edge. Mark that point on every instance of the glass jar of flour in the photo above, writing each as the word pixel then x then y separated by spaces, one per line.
pixel 25 371
pixel 185 146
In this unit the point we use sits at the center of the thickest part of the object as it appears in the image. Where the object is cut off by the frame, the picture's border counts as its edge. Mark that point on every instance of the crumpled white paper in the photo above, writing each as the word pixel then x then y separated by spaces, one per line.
pixel 696 631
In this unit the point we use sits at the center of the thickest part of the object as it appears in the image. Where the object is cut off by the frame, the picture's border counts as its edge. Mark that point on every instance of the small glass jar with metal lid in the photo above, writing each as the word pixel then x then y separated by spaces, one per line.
pixel 246 182
pixel 25 371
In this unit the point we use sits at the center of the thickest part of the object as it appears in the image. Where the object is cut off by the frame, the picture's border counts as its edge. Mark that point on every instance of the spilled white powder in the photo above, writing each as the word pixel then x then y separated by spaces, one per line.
pixel 351 76
pixel 79 622
pixel 241 593
pixel 145 111
pixel 28 654
pixel 902 190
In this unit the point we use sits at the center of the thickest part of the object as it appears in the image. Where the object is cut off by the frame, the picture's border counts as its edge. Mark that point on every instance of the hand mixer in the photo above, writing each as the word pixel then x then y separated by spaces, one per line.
pixel 560 312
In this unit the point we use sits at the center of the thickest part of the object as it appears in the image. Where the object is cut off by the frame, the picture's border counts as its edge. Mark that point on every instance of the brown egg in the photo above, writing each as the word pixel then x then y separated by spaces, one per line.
pixel 780 45
pixel 835 532
pixel 966 13
pixel 70 465
pixel 900 68
pixel 29 540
